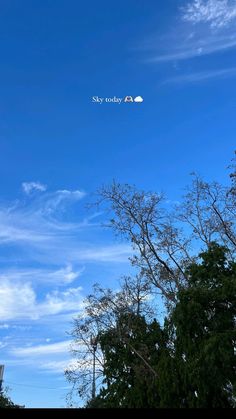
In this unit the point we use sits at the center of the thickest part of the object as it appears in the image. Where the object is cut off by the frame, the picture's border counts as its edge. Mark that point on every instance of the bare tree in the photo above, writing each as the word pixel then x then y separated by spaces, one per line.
pixel 209 210
pixel 166 239
pixel 161 250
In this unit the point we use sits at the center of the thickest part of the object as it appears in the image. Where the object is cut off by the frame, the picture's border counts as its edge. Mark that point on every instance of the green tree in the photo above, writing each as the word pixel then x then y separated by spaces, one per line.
pixel 205 334
pixel 131 351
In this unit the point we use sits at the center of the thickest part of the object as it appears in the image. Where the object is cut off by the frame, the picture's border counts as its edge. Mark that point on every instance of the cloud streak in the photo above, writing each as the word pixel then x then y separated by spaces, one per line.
pixel 201 76
pixel 184 47
pixel 39 350
pixel 58 277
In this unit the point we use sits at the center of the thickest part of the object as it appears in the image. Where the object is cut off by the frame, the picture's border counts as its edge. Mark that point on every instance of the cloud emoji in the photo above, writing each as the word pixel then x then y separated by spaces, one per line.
pixel 138 99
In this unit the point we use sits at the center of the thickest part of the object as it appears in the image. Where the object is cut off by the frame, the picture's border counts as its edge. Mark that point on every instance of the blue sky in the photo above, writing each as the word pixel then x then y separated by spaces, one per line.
pixel 57 147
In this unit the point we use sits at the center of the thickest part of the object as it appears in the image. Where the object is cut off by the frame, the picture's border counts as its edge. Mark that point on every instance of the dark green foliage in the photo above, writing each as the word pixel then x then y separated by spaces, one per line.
pixel 204 322
pixel 5 402
pixel 188 363
pixel 131 360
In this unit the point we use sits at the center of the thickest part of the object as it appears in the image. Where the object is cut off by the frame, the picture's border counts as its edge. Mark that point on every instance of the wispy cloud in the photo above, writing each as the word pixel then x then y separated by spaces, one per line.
pixel 201 28
pixel 201 76
pixel 218 13
pixel 48 243
pixel 29 187
pixel 199 45
pixel 39 230
pixel 37 220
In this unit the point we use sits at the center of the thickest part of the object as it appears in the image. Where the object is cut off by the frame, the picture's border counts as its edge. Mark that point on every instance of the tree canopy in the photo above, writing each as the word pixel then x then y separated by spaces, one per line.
pixel 190 361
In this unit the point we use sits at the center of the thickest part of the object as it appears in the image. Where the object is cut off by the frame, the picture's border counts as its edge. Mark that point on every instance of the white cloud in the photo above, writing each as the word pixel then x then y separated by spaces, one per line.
pixel 56 302
pixel 64 275
pixel 19 301
pixel 29 187
pixel 218 13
